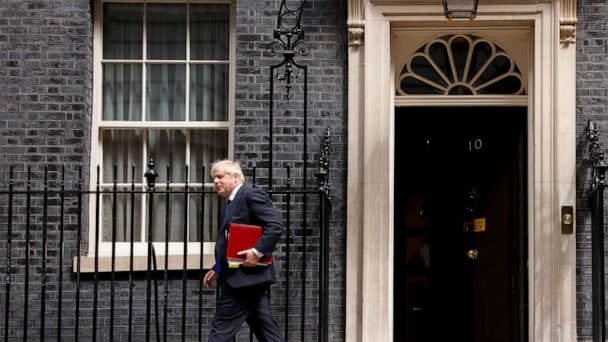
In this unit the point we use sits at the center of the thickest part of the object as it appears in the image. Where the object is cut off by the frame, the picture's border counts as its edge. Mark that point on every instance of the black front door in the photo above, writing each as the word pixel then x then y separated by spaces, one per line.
pixel 460 224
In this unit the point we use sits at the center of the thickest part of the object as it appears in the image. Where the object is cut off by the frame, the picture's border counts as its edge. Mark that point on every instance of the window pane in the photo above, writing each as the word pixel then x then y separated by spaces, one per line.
pixel 209 92
pixel 482 51
pixel 122 92
pixel 124 213
pixel 166 33
pixel 421 65
pixel 166 97
pixel 204 218
pixel 209 31
pixel 122 148
pixel 122 31
pixel 412 85
pixel 168 148
pixel 175 219
pixel 206 146
pixel 460 49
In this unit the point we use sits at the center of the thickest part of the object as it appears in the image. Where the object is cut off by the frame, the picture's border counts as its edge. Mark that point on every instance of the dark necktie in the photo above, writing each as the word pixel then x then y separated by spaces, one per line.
pixel 224 218
pixel 226 209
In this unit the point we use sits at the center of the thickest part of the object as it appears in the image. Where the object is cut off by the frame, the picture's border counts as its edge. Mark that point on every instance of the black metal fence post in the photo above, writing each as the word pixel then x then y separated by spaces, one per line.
pixel 287 250
pixel 78 252
pixel 45 205
pixel 325 209
pixel 166 270
pixel 201 273
pixel 150 176
pixel 28 208
pixel 597 264
pixel 596 200
pixel 60 254
pixel 9 237
pixel 96 244
pixel 185 259
pixel 113 257
pixel 288 40
pixel 131 249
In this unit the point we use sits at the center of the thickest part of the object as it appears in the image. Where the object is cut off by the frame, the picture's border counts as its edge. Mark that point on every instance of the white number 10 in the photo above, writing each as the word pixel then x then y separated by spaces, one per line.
pixel 476 144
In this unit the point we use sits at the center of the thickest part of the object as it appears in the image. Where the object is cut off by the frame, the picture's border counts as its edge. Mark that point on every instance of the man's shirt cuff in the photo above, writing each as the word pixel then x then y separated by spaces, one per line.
pixel 258 253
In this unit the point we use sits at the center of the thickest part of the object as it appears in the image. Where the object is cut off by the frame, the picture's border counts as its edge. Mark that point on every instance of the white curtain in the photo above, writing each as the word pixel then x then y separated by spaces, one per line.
pixel 166 97
pixel 122 39
pixel 166 31
pixel 205 148
pixel 209 92
pixel 122 31
pixel 209 40
pixel 124 211
pixel 209 31
pixel 168 148
pixel 122 148
pixel 122 92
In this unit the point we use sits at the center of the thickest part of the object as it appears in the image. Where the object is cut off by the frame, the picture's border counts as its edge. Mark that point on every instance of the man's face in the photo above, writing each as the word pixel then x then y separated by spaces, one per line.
pixel 224 183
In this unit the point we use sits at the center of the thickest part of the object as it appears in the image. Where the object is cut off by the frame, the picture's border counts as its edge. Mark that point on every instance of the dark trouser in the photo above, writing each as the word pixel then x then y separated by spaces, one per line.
pixel 237 305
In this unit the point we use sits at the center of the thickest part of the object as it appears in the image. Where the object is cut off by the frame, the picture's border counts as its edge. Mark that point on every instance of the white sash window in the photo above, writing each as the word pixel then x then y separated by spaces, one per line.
pixel 163 89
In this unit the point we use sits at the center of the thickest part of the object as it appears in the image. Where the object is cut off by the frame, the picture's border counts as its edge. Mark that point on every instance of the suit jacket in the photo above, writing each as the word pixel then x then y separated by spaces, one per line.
pixel 250 206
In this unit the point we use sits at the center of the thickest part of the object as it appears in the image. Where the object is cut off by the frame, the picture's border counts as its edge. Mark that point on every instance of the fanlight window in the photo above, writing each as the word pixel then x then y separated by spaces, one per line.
pixel 460 65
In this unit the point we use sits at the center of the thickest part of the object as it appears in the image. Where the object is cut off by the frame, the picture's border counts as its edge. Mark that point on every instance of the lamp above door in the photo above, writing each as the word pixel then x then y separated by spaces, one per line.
pixel 460 9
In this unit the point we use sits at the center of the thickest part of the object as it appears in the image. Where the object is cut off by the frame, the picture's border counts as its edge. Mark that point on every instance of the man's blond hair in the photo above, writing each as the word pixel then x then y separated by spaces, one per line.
pixel 229 167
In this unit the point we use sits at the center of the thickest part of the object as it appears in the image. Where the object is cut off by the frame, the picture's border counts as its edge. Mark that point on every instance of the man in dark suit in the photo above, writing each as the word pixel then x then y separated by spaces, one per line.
pixel 243 290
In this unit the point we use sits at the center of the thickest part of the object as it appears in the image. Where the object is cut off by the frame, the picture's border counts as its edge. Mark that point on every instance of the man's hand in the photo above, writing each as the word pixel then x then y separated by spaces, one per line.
pixel 251 259
pixel 208 279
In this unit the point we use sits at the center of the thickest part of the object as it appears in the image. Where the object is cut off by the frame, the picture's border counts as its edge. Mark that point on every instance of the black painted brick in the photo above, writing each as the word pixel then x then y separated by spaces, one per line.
pixel 591 94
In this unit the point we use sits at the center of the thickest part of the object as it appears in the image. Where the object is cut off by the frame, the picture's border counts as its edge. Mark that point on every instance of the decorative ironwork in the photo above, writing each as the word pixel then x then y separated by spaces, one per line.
pixel 288 39
pixel 596 157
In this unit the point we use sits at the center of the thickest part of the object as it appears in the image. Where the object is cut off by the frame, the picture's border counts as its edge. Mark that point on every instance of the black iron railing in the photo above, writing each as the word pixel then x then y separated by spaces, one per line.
pixel 28 207
pixel 598 168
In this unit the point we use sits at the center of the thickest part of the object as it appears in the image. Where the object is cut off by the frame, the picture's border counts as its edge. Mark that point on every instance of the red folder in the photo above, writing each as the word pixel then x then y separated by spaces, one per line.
pixel 240 238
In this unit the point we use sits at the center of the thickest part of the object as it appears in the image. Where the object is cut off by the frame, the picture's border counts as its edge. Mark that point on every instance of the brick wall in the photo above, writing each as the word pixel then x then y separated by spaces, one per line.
pixel 45 92
pixel 591 92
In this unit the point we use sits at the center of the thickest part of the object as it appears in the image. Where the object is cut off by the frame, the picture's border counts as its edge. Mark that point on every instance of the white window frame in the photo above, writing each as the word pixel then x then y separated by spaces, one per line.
pixel 140 248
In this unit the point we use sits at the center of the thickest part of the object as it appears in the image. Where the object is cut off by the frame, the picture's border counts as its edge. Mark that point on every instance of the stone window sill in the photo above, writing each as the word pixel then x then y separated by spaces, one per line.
pixel 140 263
